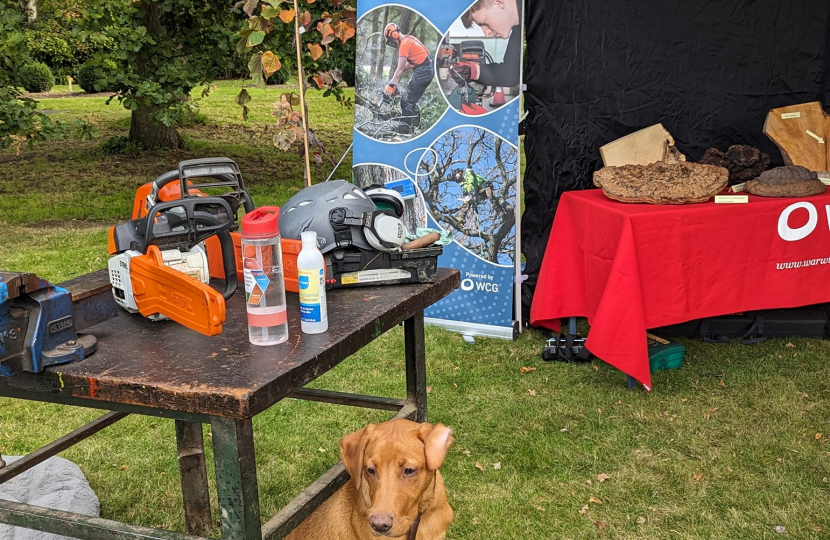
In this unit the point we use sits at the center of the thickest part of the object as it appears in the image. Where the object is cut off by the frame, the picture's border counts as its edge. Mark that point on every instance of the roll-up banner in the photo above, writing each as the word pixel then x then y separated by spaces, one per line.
pixel 436 118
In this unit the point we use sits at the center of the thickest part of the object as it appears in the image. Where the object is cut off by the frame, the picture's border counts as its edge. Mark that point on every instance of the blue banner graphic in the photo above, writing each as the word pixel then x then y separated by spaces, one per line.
pixel 436 118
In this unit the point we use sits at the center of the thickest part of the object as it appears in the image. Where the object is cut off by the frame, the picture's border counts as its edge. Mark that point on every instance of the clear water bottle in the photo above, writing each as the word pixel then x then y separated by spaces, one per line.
pixel 264 281
pixel 311 275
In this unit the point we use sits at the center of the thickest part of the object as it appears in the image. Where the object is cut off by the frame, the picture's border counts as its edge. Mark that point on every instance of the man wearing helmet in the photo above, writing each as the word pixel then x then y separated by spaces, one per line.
pixel 412 55
pixel 475 188
pixel 499 19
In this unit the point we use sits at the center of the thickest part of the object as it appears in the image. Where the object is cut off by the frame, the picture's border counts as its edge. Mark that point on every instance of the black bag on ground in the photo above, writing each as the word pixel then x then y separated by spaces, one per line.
pixel 753 327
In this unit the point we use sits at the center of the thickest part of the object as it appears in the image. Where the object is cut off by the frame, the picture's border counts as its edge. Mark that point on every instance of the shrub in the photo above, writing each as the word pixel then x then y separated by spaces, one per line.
pixel 279 77
pixel 120 145
pixel 37 77
pixel 93 77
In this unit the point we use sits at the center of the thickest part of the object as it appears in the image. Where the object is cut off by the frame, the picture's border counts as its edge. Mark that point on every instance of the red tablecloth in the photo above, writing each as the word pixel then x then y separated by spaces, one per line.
pixel 629 267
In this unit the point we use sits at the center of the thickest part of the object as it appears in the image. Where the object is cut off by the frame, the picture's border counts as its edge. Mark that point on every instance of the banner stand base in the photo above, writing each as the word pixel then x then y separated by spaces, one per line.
pixel 471 330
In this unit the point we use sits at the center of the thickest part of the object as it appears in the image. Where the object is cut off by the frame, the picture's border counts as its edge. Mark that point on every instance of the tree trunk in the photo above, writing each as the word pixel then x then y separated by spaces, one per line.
pixel 29 8
pixel 381 59
pixel 152 135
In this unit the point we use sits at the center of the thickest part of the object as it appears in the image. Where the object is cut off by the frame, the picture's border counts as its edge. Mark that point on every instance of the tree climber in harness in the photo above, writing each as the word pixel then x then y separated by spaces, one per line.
pixel 412 55
pixel 475 189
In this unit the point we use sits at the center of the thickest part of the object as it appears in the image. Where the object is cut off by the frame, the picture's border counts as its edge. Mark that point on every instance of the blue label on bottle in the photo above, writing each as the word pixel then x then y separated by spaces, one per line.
pixel 310 313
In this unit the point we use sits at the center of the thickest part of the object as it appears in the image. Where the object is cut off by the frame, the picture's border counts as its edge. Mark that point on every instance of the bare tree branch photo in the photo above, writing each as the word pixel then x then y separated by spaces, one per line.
pixel 468 183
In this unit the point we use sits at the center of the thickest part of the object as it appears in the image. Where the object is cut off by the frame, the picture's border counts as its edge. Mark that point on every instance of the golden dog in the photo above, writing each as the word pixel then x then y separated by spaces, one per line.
pixel 395 488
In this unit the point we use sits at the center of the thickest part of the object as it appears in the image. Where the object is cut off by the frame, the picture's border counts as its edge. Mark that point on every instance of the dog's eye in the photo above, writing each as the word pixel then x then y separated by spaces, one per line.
pixel 370 471
pixel 409 471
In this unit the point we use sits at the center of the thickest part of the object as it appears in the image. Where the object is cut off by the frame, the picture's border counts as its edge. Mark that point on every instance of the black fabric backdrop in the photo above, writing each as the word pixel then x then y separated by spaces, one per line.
pixel 708 70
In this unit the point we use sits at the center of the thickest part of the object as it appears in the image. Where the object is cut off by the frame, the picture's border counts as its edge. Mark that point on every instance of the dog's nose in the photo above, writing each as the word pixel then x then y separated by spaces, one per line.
pixel 381 523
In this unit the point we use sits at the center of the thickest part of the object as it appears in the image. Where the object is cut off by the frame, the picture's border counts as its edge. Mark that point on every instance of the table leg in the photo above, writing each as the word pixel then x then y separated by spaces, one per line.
pixel 194 477
pixel 236 482
pixel 416 371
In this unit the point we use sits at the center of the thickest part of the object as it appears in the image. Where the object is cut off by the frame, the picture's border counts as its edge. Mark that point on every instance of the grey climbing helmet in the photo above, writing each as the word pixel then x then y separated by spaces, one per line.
pixel 342 215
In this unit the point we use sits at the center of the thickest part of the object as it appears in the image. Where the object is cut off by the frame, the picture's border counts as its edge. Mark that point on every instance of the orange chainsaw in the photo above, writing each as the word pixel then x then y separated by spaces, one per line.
pixel 223 173
pixel 160 266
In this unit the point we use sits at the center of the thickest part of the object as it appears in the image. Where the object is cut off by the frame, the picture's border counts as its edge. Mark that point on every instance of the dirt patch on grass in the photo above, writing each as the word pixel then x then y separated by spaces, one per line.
pixel 54 95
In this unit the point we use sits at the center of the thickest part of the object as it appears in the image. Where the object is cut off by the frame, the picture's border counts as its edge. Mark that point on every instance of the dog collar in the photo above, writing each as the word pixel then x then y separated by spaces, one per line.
pixel 413 532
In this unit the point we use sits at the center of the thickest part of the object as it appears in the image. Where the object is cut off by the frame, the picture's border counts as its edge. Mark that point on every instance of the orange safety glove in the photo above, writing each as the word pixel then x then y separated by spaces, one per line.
pixel 465 71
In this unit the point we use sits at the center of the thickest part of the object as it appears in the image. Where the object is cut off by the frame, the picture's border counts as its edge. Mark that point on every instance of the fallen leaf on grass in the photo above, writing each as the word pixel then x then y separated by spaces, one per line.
pixel 641 520
pixel 779 460
pixel 589 482
pixel 602 477
pixel 824 479
pixel 817 529
pixel 123 467
pixel 584 509
pixel 818 436
pixel 321 449
pixel 721 383
pixel 600 525
pixel 429 389
pixel 466 453
pixel 479 466
pixel 684 400
pixel 497 465
pixel 780 529
pixel 563 430
pixel 599 410
pixel 619 402
pixel 594 500
pixel 729 469
pixel 532 392
pixel 698 477
pixel 596 367
pixel 524 370
pixel 789 345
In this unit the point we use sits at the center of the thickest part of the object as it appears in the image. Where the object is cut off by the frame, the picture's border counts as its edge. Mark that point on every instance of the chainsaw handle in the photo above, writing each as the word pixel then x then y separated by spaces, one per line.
pixel 224 170
pixel 228 255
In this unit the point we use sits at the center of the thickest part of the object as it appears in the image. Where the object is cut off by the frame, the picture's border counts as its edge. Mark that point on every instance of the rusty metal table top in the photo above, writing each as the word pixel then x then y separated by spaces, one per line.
pixel 164 365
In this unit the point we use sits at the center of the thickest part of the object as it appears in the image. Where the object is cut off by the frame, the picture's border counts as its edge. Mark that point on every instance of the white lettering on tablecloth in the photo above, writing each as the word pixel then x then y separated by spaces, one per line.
pixel 789 234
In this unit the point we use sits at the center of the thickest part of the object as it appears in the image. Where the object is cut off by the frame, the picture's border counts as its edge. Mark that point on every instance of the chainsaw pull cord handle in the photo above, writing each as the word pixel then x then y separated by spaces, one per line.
pixel 228 255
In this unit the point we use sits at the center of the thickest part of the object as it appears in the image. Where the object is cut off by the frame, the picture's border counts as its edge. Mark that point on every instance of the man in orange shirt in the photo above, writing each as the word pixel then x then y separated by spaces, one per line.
pixel 412 55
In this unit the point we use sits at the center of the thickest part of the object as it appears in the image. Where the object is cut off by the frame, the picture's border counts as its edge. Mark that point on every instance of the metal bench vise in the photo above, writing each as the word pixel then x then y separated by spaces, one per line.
pixel 37 325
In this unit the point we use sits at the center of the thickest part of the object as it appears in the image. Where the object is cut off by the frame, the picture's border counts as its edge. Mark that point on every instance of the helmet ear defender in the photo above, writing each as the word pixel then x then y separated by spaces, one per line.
pixel 346 217
pixel 392 34
pixel 381 230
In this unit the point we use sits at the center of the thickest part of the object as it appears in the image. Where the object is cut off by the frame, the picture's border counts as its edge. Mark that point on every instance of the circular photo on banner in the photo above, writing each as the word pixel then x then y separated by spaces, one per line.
pixel 469 183
pixel 396 96
pixel 414 213
pixel 479 59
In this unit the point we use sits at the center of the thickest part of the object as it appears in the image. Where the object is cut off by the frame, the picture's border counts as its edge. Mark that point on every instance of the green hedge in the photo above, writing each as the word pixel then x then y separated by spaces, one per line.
pixel 37 77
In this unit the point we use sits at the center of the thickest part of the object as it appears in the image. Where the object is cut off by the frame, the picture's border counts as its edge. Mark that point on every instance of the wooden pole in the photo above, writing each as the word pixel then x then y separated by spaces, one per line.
pixel 303 110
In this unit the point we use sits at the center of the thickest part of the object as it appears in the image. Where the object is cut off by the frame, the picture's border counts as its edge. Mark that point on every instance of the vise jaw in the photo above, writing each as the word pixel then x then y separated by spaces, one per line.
pixel 37 326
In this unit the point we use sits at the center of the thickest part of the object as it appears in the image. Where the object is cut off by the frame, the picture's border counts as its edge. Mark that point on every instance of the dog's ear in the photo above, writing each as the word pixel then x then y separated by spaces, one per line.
pixel 352 447
pixel 437 442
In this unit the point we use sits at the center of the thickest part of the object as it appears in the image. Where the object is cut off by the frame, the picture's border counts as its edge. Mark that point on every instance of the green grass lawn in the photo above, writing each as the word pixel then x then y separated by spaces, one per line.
pixel 729 447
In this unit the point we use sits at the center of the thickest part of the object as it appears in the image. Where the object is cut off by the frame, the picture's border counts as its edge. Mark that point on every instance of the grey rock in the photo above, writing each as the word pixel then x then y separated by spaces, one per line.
pixel 57 483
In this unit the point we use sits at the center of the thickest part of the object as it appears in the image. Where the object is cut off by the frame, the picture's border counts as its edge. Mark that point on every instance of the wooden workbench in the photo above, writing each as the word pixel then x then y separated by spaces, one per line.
pixel 164 369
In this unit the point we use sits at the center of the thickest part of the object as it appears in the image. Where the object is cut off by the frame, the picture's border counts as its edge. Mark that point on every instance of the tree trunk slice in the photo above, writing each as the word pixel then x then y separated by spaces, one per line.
pixel 788 128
